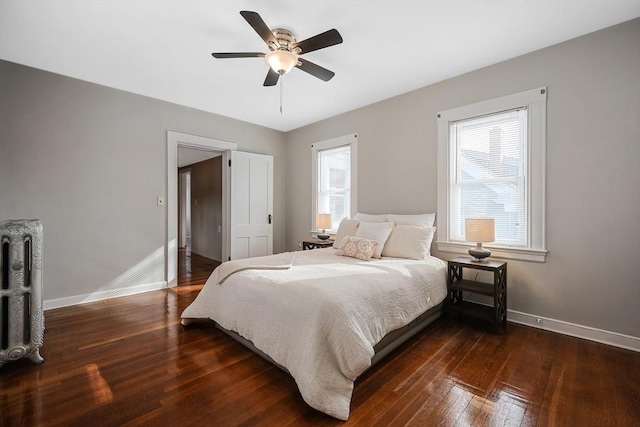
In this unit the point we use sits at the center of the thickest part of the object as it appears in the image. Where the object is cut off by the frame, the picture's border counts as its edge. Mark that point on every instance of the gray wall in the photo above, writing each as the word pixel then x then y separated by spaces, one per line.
pixel 591 276
pixel 206 208
pixel 89 161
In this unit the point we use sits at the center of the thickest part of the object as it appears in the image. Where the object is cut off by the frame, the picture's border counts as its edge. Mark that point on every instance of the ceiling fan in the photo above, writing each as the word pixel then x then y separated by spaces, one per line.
pixel 284 51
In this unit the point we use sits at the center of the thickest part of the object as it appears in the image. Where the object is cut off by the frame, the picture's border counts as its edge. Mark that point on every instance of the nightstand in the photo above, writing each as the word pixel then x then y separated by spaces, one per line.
pixel 316 244
pixel 496 314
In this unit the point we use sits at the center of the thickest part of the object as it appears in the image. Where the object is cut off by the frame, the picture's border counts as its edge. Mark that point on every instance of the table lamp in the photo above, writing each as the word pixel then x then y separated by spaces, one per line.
pixel 479 230
pixel 323 221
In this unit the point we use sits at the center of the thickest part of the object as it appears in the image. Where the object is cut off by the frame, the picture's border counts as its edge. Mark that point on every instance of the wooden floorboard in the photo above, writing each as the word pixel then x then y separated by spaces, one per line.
pixel 193 269
pixel 128 361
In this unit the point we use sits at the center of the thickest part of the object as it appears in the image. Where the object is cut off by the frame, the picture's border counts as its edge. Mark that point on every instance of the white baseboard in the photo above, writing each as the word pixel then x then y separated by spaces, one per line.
pixel 103 295
pixel 580 331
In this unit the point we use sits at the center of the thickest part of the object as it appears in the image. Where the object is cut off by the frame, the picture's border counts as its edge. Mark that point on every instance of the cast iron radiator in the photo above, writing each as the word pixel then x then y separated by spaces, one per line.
pixel 21 320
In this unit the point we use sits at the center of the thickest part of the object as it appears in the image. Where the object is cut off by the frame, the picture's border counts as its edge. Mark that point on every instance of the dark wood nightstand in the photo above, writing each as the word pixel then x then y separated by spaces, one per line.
pixel 496 314
pixel 316 244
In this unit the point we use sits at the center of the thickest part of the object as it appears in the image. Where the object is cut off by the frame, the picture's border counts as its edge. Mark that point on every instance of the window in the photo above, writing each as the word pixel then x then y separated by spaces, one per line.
pixel 488 174
pixel 494 157
pixel 334 178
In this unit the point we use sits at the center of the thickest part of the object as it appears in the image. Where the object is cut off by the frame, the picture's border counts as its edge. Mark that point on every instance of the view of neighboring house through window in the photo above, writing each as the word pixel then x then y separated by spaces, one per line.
pixel 334 178
pixel 491 158
pixel 489 175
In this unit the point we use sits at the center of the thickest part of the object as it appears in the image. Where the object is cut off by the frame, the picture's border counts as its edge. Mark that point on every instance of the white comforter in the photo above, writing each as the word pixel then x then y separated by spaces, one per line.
pixel 321 317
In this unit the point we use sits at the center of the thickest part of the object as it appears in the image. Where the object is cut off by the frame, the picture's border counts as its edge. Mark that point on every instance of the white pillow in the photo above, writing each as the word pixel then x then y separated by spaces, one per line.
pixel 378 231
pixel 347 227
pixel 371 218
pixel 357 247
pixel 407 241
pixel 420 220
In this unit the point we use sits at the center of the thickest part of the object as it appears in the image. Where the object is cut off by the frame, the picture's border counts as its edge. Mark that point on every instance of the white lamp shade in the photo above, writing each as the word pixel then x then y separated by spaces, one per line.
pixel 281 61
pixel 480 229
pixel 323 221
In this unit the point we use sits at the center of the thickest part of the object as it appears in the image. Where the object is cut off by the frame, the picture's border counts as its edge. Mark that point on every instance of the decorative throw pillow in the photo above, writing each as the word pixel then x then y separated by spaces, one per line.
pixel 347 227
pixel 407 241
pixel 378 231
pixel 356 247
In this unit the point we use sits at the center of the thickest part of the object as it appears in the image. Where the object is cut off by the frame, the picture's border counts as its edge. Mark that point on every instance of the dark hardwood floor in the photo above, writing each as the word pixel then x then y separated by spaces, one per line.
pixel 128 361
pixel 193 269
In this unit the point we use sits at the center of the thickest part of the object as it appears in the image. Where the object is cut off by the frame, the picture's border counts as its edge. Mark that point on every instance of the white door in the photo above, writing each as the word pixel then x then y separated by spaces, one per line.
pixel 251 205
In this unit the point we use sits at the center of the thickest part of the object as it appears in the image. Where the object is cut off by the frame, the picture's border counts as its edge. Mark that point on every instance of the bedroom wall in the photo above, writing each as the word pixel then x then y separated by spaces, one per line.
pixel 591 277
pixel 89 161
pixel 206 208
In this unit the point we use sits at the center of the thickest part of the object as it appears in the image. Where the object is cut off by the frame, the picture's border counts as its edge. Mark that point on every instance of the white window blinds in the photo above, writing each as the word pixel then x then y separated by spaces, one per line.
pixel 489 175
pixel 334 183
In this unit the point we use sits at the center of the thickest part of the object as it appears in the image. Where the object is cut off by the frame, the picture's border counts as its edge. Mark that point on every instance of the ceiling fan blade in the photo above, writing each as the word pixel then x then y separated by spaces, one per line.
pixel 315 70
pixel 260 27
pixel 320 41
pixel 272 78
pixel 223 55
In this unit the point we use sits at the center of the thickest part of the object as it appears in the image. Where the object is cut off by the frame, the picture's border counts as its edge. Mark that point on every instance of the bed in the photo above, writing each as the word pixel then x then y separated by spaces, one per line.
pixel 323 317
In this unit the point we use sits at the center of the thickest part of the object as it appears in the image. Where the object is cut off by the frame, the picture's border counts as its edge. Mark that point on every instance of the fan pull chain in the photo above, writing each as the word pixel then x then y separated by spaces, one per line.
pixel 281 79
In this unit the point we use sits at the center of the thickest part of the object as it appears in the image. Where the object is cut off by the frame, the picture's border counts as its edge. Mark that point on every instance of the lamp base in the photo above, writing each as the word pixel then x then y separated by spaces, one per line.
pixel 323 236
pixel 479 255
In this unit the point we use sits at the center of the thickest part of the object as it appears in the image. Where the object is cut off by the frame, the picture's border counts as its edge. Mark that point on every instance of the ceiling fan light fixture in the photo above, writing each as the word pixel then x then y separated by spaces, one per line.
pixel 285 51
pixel 281 61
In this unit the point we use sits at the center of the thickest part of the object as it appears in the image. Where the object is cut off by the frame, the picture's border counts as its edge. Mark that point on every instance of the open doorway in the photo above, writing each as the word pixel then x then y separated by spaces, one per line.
pixel 247 201
pixel 175 142
pixel 199 214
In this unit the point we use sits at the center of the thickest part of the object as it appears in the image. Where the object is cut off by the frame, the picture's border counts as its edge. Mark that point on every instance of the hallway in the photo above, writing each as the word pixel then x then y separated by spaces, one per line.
pixel 193 269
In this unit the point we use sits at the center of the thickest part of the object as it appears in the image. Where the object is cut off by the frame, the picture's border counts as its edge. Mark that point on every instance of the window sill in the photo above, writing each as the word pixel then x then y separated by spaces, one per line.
pixel 531 255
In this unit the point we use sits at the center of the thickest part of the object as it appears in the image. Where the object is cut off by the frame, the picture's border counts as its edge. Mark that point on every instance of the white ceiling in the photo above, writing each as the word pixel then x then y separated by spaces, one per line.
pixel 188 156
pixel 162 49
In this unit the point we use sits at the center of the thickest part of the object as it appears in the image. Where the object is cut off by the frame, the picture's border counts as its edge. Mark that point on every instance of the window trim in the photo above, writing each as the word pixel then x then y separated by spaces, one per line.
pixel 340 141
pixel 535 100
